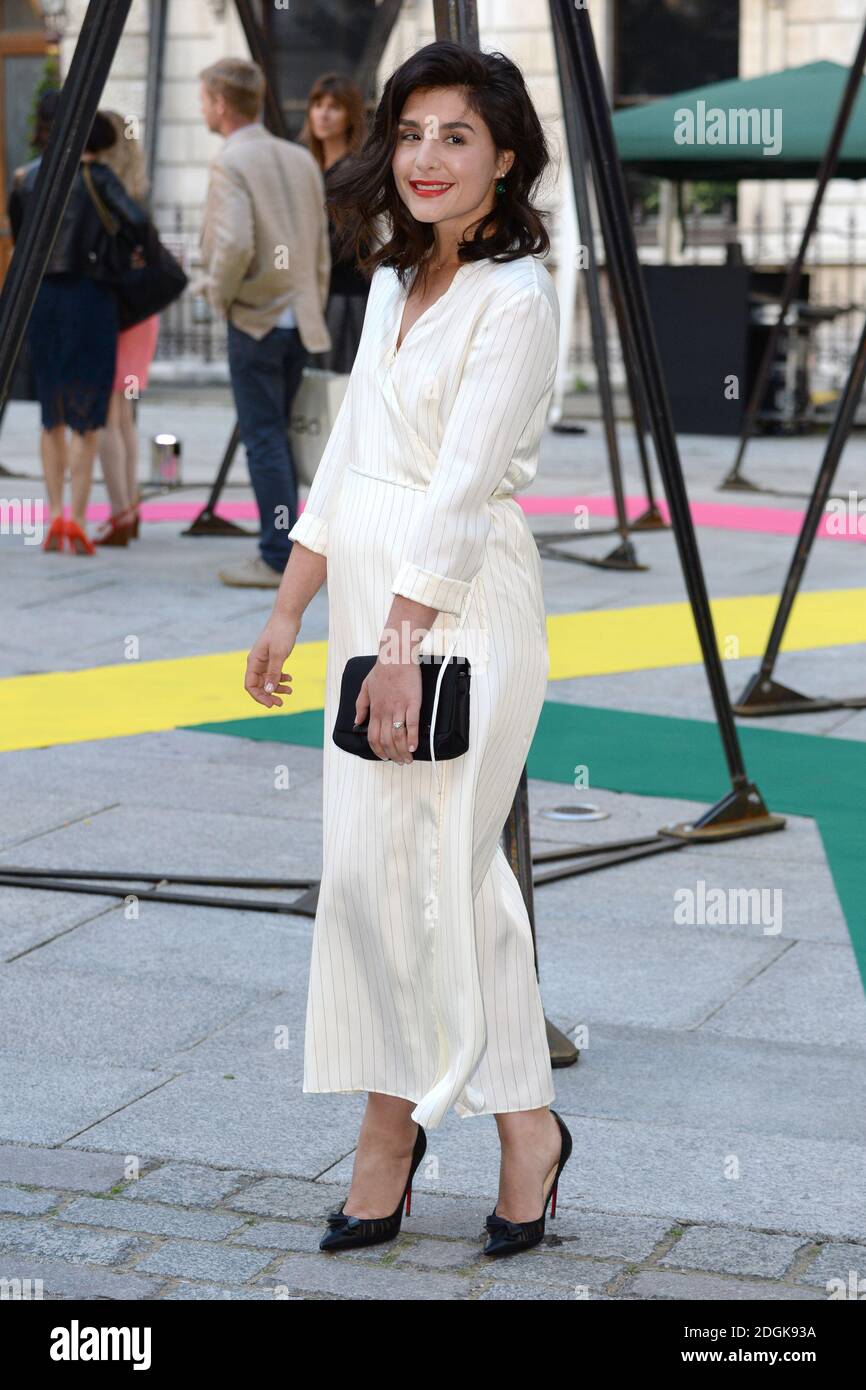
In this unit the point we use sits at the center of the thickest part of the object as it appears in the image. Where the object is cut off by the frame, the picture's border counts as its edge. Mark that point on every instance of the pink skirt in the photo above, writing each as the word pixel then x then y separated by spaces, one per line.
pixel 135 349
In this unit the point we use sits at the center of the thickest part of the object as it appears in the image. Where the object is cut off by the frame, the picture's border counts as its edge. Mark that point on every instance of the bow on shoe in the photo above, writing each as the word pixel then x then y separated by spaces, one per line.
pixel 498 1223
pixel 516 1230
pixel 337 1220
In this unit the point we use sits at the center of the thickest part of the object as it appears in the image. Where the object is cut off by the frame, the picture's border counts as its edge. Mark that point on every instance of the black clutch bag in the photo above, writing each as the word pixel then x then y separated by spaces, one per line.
pixel 452 714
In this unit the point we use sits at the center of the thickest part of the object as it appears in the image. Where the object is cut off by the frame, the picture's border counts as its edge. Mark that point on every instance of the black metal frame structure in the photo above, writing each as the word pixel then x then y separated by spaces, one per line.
pixel 79 99
pixel 734 479
pixel 624 556
pixel 764 695
pixel 742 811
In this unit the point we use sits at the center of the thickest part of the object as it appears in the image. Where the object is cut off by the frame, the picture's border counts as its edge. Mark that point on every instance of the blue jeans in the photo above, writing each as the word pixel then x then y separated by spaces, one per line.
pixel 265 376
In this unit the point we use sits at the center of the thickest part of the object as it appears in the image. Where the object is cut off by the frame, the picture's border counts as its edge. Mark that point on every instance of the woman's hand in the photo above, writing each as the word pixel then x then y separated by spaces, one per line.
pixel 265 676
pixel 391 691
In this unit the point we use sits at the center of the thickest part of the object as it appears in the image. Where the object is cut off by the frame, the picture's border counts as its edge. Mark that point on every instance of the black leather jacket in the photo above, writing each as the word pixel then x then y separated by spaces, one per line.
pixel 78 248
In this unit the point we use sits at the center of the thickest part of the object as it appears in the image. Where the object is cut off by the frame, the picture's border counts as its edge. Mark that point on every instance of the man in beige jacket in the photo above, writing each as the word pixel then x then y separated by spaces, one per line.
pixel 267 263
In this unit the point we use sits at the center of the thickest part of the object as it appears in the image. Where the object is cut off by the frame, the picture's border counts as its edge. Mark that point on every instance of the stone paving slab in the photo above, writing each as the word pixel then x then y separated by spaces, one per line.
pixel 357 1280
pixel 257 950
pixel 788 903
pixel 51 1013
pixel 812 994
pixel 767 1087
pixel 785 1184
pixel 149 1218
pixel 45 1104
pixel 60 1278
pixel 31 916
pixel 30 1165
pixel 248 1122
pixel 190 1185
pixel 184 1291
pixel 19 1201
pixel 640 972
pixel 195 1259
pixel 248 787
pixel 222 843
pixel 703 1288
pixel 52 1238
pixel 842 1262
pixel 734 1252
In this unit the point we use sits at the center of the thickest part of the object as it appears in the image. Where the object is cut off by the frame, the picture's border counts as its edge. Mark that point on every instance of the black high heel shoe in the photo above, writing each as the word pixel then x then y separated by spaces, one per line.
pixel 508 1237
pixel 346 1232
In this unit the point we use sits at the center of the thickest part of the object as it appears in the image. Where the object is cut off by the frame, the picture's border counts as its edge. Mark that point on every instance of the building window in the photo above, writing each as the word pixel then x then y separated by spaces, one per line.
pixel 310 38
pixel 666 46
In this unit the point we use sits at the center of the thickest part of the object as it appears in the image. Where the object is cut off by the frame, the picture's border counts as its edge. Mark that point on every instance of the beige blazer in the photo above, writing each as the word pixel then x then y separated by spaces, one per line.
pixel 264 237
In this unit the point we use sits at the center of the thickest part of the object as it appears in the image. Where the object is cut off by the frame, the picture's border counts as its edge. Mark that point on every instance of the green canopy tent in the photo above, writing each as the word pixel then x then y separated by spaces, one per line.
pixel 807 97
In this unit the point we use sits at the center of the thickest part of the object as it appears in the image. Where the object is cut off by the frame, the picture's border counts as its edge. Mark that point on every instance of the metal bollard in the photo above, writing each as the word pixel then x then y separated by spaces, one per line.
pixel 165 461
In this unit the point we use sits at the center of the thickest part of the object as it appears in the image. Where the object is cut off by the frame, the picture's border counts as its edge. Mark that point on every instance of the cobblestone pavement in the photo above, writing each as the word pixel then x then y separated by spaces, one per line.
pixel 188 1231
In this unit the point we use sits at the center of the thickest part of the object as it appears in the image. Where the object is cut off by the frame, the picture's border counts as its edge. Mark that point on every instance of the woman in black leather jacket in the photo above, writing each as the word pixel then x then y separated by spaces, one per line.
pixel 333 133
pixel 72 333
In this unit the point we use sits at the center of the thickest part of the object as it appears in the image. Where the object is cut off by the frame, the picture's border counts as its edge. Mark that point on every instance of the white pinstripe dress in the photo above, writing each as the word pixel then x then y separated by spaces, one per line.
pixel 422 982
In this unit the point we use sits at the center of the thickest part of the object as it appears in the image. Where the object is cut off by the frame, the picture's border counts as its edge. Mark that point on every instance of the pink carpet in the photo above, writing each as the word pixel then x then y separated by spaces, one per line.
pixel 780 521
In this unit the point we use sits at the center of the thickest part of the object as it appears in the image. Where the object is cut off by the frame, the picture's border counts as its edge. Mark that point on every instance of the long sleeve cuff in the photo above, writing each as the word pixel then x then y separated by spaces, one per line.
pixel 434 590
pixel 311 531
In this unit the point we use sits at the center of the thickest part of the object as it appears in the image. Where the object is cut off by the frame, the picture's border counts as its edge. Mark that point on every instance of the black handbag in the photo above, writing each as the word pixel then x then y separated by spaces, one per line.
pixel 452 714
pixel 140 290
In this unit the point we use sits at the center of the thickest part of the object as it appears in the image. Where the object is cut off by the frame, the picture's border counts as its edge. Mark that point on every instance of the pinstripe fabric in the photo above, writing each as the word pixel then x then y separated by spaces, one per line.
pixel 422 981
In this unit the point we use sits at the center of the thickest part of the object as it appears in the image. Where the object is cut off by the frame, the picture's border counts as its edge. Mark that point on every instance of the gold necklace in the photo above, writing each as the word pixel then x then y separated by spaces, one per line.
pixel 445 266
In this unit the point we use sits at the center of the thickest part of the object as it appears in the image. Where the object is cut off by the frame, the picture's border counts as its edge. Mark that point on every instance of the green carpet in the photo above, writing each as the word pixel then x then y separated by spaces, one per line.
pixel 652 755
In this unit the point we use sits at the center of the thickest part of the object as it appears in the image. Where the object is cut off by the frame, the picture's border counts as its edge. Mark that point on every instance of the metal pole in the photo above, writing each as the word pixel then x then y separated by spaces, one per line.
pixel 578 162
pixel 274 118
pixel 651 518
pixel 457 20
pixel 763 695
pixel 155 64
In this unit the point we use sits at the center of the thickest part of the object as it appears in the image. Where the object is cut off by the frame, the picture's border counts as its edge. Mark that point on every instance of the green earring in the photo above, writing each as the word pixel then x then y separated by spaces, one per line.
pixel 500 187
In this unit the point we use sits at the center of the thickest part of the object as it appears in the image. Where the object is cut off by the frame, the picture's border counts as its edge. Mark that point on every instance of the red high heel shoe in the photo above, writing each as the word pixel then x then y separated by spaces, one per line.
pixel 56 535
pixel 78 541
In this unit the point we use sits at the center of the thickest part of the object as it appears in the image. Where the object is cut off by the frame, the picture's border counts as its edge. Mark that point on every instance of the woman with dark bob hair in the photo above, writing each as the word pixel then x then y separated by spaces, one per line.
pixel 423 991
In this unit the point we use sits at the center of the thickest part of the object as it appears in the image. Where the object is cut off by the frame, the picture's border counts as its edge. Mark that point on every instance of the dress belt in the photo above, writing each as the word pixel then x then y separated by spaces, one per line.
pixel 498 495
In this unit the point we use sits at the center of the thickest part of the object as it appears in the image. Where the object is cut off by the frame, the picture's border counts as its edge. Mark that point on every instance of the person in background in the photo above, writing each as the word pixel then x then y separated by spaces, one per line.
pixel 72 332
pixel 333 131
pixel 118 441
pixel 267 264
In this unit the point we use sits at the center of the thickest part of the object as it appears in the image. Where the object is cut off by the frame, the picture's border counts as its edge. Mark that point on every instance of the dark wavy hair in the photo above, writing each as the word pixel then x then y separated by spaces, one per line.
pixel 364 192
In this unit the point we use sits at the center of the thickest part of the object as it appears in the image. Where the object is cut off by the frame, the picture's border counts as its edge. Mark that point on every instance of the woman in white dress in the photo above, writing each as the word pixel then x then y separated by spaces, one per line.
pixel 422 989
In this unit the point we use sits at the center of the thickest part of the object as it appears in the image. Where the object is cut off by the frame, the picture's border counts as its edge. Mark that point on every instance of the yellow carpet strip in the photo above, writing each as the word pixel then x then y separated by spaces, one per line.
pixel 135 697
